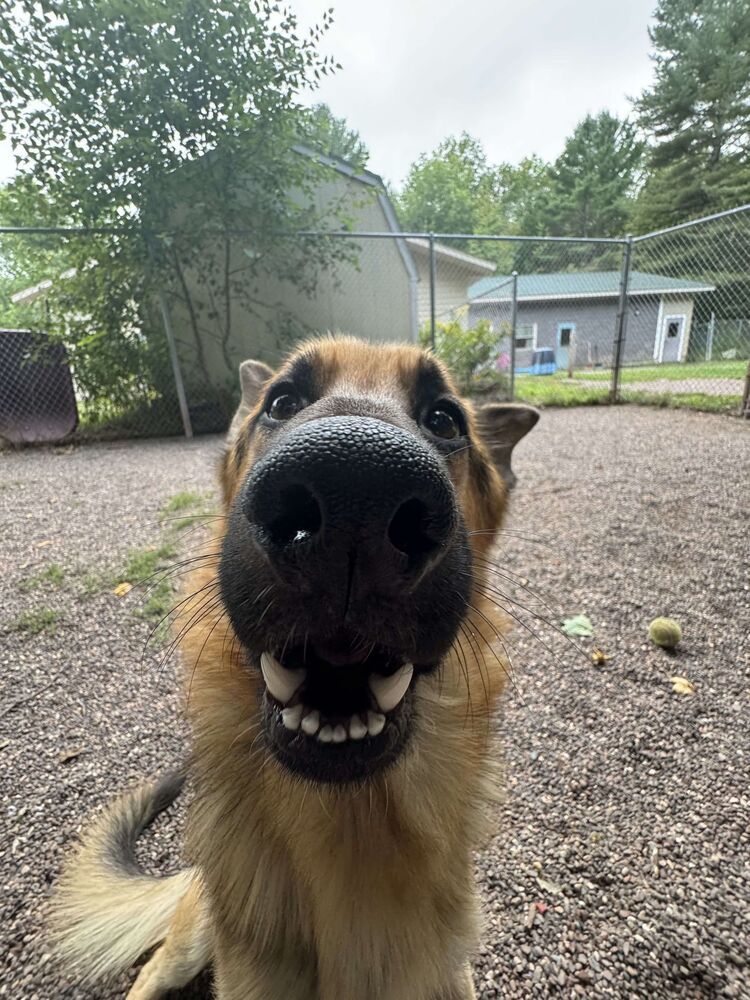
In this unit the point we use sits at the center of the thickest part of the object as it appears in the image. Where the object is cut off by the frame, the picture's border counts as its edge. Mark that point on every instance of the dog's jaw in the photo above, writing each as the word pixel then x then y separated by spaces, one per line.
pixel 338 746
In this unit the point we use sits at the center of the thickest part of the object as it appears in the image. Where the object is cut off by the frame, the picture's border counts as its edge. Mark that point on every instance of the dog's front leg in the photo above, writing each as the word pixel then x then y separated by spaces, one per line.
pixel 461 988
pixel 243 976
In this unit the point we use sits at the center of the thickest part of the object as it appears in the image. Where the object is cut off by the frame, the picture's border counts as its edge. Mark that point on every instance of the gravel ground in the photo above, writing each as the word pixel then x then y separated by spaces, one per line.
pixel 620 865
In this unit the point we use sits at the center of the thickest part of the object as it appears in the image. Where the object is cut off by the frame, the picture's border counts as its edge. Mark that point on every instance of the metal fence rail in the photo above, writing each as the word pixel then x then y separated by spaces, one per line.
pixel 89 339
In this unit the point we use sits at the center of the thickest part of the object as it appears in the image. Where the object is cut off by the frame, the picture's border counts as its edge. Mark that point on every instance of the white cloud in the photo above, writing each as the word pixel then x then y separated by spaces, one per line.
pixel 517 74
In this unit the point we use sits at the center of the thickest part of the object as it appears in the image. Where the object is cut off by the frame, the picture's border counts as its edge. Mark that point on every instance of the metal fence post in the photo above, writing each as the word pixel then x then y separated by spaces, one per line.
pixel 432 290
pixel 166 319
pixel 174 357
pixel 513 324
pixel 620 323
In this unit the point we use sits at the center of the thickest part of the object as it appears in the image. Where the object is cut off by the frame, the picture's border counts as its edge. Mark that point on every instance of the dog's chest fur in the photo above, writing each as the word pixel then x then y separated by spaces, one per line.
pixel 356 893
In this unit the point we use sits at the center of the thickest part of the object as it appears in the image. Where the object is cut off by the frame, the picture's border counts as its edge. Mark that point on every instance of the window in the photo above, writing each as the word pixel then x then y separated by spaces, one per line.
pixel 566 332
pixel 673 328
pixel 525 336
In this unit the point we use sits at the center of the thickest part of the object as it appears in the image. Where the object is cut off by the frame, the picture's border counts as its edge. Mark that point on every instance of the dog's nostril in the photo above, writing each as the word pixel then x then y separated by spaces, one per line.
pixel 409 530
pixel 298 518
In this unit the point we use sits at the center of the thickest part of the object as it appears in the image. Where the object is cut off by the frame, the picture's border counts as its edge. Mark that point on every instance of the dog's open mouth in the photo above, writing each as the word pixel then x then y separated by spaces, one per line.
pixel 337 709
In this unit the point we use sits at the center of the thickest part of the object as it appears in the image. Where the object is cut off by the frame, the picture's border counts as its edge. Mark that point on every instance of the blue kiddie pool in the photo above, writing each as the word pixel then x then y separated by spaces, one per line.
pixel 542 363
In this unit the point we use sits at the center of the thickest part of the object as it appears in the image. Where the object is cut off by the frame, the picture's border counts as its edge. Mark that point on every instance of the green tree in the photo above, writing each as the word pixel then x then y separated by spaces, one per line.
pixel 323 131
pixel 697 112
pixel 593 180
pixel 469 353
pixel 173 120
pixel 451 190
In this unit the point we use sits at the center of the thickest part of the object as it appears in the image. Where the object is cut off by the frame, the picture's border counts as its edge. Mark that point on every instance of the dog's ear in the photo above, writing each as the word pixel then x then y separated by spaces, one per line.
pixel 253 376
pixel 501 426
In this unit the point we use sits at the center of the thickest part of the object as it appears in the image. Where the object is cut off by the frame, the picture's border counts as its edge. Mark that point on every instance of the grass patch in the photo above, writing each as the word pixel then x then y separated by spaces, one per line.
pixel 148 567
pixel 52 575
pixel 551 390
pixel 673 372
pixel 34 622
pixel 179 502
pixel 683 401
pixel 143 563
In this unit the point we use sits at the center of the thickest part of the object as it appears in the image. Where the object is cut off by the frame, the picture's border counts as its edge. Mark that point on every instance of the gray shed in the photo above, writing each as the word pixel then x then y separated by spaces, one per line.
pixel 576 312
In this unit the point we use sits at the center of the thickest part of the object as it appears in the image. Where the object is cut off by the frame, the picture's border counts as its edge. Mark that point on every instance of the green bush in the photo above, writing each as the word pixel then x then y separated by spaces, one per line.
pixel 469 353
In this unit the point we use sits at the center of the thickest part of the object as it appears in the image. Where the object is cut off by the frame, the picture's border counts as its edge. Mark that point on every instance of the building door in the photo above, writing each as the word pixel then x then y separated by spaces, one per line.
pixel 671 338
pixel 565 335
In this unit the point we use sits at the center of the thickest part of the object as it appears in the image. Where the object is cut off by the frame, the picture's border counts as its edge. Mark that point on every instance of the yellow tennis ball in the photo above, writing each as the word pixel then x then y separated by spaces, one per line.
pixel 664 632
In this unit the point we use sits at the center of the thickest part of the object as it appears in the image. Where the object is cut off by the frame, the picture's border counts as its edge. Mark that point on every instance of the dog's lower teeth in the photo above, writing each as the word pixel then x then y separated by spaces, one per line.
pixel 291 717
pixel 339 734
pixel 326 734
pixel 388 691
pixel 281 683
pixel 311 723
pixel 357 728
pixel 375 723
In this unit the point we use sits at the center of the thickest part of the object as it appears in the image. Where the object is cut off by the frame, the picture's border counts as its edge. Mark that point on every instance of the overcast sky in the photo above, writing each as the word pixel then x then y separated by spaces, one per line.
pixel 517 74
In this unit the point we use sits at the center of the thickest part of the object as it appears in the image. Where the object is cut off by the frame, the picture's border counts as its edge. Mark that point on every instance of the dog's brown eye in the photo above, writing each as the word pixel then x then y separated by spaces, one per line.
pixel 284 406
pixel 442 424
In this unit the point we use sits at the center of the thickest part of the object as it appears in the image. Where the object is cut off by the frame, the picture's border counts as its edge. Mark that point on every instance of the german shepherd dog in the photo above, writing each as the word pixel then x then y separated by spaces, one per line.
pixel 343 658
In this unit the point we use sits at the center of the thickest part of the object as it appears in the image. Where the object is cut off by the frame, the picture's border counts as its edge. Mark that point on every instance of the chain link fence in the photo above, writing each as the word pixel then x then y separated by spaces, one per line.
pixel 108 334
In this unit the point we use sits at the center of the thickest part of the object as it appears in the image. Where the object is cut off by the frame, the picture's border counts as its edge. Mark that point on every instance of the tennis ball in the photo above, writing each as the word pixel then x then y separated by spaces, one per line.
pixel 664 632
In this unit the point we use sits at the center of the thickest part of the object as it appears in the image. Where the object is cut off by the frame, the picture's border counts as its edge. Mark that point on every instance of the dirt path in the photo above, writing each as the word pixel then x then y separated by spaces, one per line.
pixel 620 865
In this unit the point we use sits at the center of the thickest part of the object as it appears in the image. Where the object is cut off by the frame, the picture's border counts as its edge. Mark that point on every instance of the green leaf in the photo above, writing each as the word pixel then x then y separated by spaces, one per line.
pixel 578 625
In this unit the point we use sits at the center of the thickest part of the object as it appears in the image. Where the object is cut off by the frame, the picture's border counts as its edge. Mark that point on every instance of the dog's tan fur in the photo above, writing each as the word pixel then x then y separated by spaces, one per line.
pixel 322 892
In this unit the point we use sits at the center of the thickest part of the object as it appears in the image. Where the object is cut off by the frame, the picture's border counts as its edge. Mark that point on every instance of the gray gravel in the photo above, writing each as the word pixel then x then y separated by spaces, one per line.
pixel 620 865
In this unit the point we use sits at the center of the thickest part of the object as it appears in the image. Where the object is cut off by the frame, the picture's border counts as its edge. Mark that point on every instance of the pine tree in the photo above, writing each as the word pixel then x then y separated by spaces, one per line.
pixel 593 180
pixel 697 112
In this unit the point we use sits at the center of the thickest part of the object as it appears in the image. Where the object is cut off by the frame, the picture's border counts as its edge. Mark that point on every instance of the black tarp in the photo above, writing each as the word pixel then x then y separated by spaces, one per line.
pixel 37 401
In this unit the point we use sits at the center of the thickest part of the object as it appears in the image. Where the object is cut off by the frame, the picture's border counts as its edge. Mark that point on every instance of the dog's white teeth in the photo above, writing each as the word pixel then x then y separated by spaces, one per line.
pixel 357 728
pixel 291 717
pixel 375 723
pixel 282 683
pixel 326 734
pixel 388 691
pixel 311 723
pixel 339 734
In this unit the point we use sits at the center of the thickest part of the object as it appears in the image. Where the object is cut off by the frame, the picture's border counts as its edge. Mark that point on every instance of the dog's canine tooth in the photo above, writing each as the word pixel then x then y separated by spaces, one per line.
pixel 388 691
pixel 282 683
pixel 311 722
pixel 357 728
pixel 326 734
pixel 375 723
pixel 291 716
pixel 339 734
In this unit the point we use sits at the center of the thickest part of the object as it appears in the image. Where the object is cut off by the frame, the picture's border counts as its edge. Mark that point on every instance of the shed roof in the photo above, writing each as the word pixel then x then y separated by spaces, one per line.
pixel 468 260
pixel 581 285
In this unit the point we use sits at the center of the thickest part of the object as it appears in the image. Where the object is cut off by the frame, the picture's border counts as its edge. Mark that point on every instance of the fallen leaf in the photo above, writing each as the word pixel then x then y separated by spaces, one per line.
pixel 530 917
pixel 548 886
pixel 681 685
pixel 68 755
pixel 599 657
pixel 541 907
pixel 578 625
pixel 122 588
pixel 41 545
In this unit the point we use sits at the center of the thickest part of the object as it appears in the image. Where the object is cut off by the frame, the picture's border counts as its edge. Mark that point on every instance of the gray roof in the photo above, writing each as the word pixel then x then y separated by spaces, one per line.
pixel 581 285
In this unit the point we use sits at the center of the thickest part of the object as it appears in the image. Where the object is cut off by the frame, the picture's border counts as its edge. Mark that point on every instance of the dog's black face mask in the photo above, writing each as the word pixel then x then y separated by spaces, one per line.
pixel 346 567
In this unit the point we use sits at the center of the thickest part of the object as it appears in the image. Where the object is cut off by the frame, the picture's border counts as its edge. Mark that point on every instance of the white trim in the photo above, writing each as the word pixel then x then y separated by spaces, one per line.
pixel 635 293
pixel 665 324
pixel 657 333
pixel 441 250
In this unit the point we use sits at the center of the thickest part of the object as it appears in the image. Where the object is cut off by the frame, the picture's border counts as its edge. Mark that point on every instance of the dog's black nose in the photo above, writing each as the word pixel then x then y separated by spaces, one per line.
pixel 351 494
